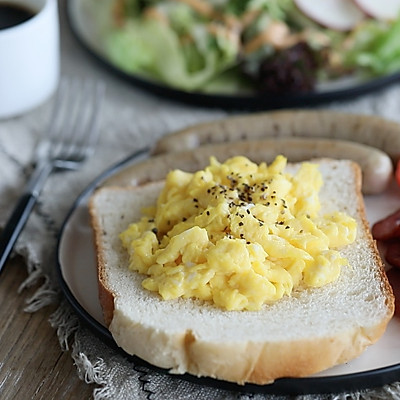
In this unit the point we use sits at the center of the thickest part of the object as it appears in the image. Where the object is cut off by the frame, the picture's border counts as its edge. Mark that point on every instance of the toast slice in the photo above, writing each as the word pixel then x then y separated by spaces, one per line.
pixel 312 330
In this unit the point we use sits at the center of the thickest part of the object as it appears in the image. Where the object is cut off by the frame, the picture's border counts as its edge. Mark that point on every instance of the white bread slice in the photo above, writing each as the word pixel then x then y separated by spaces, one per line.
pixel 297 336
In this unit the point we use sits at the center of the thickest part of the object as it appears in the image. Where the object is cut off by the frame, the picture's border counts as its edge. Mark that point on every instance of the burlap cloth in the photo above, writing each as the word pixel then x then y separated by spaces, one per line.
pixel 131 120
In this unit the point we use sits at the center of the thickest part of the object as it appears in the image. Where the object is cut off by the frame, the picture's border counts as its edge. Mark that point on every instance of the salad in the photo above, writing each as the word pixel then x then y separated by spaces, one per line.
pixel 266 46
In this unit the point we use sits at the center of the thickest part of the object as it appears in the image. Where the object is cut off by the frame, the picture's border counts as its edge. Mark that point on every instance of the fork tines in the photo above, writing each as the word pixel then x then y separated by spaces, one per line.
pixel 73 128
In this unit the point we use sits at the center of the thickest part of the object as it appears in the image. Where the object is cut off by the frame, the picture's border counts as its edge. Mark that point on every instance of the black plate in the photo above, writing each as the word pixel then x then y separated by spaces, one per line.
pixel 238 102
pixel 286 386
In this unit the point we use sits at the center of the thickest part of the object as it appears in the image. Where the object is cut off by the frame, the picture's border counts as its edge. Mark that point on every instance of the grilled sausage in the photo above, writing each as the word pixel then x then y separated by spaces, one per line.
pixel 371 130
pixel 376 166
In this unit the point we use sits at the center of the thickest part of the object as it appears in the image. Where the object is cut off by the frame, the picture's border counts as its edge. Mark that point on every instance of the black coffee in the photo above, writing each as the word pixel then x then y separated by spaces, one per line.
pixel 13 14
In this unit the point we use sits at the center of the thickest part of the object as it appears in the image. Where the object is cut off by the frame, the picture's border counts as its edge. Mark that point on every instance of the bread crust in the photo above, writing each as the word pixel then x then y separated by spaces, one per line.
pixel 106 296
pixel 258 362
pixel 242 362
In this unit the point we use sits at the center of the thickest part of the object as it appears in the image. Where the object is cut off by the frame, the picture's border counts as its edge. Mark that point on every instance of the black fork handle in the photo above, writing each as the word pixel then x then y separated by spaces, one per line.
pixel 15 225
pixel 22 210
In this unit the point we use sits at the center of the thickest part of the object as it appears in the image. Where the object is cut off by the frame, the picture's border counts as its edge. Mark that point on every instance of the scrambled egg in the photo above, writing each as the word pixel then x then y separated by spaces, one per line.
pixel 238 234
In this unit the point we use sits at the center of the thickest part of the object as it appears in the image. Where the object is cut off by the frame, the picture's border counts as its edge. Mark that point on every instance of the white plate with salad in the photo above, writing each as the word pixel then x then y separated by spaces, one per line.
pixel 245 53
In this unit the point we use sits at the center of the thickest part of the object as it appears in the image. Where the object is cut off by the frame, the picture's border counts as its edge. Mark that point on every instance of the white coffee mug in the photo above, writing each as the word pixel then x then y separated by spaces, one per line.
pixel 29 58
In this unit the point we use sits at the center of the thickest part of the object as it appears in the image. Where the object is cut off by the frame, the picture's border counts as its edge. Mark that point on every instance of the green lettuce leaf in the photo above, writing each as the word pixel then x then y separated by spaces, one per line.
pixel 137 48
pixel 375 48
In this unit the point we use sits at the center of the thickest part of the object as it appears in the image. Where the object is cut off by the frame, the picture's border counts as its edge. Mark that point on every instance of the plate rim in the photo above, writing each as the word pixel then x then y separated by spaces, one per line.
pixel 284 386
pixel 225 101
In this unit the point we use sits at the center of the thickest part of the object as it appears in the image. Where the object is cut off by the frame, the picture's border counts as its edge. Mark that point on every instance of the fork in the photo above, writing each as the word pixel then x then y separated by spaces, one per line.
pixel 71 138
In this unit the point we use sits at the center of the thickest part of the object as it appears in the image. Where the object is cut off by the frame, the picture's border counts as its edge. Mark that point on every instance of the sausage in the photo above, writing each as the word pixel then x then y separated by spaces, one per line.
pixel 392 254
pixel 370 130
pixel 388 227
pixel 376 166
pixel 387 230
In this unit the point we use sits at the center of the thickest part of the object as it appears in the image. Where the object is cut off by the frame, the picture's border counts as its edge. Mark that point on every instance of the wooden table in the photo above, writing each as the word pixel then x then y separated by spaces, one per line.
pixel 32 364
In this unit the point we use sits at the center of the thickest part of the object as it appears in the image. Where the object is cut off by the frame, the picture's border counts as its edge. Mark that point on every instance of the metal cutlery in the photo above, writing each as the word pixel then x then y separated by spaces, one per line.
pixel 71 138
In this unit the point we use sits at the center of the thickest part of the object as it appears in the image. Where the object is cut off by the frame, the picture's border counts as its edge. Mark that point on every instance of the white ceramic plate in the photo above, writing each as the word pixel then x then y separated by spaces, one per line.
pixel 83 26
pixel 378 365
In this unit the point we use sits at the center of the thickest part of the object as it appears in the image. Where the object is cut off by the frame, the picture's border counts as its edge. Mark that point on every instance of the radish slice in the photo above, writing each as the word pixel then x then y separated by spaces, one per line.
pixel 340 15
pixel 380 9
